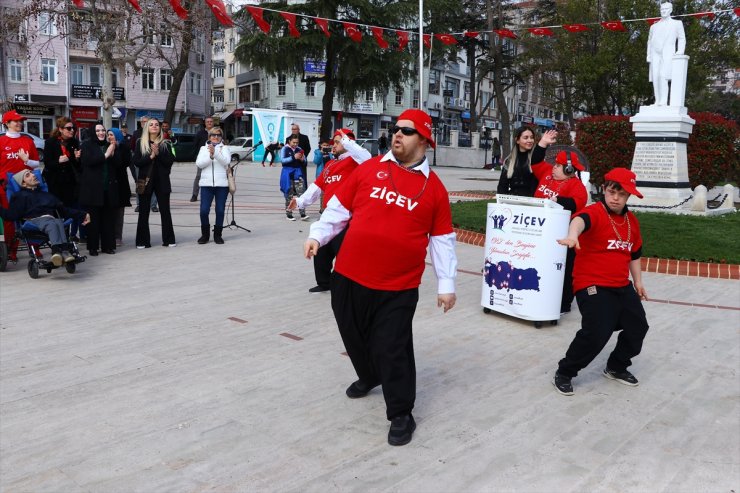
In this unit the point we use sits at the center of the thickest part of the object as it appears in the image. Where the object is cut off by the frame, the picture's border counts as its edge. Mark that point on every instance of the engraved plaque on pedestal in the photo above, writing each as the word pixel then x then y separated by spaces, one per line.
pixel 657 163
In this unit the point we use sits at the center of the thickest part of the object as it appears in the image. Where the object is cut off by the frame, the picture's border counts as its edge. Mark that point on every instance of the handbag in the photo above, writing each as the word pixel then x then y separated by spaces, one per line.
pixel 141 185
pixel 232 181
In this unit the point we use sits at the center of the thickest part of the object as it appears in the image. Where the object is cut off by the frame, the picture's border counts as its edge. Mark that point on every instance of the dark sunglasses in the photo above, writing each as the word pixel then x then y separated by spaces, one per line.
pixel 68 128
pixel 408 131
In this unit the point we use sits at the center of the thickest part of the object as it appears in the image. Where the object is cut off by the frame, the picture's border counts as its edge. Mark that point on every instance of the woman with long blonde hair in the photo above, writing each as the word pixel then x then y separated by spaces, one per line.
pixel 153 158
pixel 516 173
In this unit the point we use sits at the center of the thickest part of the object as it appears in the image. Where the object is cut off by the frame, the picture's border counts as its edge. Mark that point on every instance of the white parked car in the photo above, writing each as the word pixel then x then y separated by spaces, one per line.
pixel 240 148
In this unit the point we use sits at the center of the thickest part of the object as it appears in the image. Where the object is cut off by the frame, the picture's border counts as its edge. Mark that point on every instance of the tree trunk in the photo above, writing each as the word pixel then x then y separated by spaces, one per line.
pixel 496 50
pixel 178 74
pixel 327 102
pixel 473 89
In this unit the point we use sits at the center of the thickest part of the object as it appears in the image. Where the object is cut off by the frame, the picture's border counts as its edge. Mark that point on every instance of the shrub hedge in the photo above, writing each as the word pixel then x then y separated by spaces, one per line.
pixel 713 148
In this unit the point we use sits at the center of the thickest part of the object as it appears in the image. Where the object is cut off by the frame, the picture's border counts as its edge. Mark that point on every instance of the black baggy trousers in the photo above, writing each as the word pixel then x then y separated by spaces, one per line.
pixel 604 311
pixel 376 330
pixel 323 262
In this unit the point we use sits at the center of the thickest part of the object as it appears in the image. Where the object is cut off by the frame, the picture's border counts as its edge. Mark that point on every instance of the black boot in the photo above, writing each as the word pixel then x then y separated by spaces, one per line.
pixel 205 234
pixel 217 235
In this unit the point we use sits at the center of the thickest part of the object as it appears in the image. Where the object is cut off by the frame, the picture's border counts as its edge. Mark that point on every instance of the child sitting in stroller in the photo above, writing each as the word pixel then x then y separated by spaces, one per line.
pixel 38 207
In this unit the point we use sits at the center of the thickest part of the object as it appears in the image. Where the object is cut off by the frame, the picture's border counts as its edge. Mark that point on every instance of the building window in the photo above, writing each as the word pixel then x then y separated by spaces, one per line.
pixel 96 77
pixel 165 39
pixel 466 90
pixel 46 24
pixel 399 97
pixel 199 42
pixel 49 70
pixel 415 102
pixel 232 95
pixel 165 79
pixel 195 83
pixel 370 96
pixel 114 77
pixel 310 89
pixel 218 69
pixel 231 70
pixel 434 76
pixel 452 85
pixel 15 70
pixel 148 35
pixel 232 44
pixel 147 78
pixel 282 83
pixel 218 95
pixel 256 92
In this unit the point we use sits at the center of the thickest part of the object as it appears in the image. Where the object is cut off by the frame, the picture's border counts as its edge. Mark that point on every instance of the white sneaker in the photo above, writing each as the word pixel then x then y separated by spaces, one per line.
pixel 140 247
pixel 172 245
pixel 305 218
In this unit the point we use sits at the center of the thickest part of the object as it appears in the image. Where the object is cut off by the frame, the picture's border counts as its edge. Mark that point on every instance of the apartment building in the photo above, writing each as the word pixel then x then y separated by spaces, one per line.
pixel 53 69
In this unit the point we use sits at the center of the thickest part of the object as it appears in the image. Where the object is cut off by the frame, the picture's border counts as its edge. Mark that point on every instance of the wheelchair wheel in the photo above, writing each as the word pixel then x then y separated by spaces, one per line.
pixel 71 267
pixel 33 269
pixel 3 256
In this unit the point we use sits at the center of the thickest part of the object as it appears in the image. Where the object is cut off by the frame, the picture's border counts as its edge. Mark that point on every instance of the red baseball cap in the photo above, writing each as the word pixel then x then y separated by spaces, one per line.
pixel 422 123
pixel 349 133
pixel 562 159
pixel 626 178
pixel 12 116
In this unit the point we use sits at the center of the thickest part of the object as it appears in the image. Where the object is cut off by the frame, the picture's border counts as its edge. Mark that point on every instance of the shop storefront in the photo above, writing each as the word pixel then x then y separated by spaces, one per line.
pixel 84 118
pixel 39 118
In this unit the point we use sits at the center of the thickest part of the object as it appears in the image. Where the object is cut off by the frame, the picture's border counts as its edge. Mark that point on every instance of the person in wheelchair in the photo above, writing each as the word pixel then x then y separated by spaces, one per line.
pixel 40 208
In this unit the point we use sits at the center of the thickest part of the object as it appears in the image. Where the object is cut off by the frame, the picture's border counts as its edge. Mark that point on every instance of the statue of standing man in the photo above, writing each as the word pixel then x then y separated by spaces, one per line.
pixel 666 40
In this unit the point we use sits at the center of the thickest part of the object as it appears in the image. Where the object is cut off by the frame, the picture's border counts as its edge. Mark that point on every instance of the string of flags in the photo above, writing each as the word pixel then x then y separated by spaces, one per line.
pixel 354 31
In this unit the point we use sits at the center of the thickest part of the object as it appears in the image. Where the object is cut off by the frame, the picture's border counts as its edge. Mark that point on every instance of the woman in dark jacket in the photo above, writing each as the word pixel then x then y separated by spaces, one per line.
pixel 153 158
pixel 99 189
pixel 62 165
pixel 516 173
pixel 124 190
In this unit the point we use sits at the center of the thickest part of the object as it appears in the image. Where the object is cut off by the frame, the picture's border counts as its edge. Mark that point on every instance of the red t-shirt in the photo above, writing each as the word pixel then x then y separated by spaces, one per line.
pixel 9 160
pixel 335 173
pixel 394 212
pixel 549 188
pixel 606 248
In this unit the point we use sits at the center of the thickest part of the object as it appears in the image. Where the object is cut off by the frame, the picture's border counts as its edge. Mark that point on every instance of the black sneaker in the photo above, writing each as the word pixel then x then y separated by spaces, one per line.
pixel 289 216
pixel 624 377
pixel 402 428
pixel 318 289
pixel 562 384
pixel 359 389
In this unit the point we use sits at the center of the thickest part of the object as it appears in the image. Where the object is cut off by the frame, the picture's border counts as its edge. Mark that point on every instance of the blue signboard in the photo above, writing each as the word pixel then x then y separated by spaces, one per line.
pixel 314 67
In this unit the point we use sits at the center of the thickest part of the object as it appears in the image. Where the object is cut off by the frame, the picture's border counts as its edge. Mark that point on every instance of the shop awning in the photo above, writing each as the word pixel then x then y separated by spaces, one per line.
pixel 225 114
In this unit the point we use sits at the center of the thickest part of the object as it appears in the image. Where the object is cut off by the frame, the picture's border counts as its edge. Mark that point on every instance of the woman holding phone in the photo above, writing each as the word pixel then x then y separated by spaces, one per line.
pixel 213 162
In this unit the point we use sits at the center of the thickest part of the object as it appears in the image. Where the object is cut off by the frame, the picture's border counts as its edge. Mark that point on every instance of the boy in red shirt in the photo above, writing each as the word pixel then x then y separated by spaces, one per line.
pixel 560 183
pixel 397 207
pixel 607 237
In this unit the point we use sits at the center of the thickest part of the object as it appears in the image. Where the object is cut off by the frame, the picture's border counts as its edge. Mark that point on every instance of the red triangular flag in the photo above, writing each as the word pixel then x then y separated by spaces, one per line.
pixel 178 9
pixel 428 40
pixel 446 39
pixel 378 35
pixel 323 24
pixel 505 33
pixel 708 15
pixel 737 11
pixel 575 28
pixel 352 32
pixel 257 16
pixel 540 31
pixel 472 34
pixel 614 25
pixel 79 3
pixel 403 39
pixel 652 20
pixel 135 4
pixel 290 19
pixel 219 12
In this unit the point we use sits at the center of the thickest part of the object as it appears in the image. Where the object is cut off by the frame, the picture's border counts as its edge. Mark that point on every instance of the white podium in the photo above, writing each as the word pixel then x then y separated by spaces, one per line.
pixel 524 265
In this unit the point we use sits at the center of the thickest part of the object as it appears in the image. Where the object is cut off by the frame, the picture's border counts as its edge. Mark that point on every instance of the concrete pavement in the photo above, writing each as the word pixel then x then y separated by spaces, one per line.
pixel 211 368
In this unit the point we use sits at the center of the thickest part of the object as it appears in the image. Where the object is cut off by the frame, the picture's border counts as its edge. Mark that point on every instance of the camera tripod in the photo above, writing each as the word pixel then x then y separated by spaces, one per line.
pixel 232 168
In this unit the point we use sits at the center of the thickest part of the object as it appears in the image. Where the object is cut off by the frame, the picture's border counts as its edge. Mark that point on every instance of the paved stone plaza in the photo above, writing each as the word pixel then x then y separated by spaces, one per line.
pixel 211 368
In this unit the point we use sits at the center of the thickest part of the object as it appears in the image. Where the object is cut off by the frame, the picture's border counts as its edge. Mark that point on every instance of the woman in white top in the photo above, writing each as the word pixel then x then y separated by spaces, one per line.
pixel 213 161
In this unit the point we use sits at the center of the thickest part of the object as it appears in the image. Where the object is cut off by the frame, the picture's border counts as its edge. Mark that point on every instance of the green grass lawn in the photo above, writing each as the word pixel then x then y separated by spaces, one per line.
pixel 704 239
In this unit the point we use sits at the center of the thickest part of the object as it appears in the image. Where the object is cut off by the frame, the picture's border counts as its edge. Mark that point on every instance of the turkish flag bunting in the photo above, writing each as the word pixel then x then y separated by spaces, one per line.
pixel 403 39
pixel 290 19
pixel 472 34
pixel 505 33
pixel 178 9
pixel 708 15
pixel 257 15
pixel 378 35
pixel 428 40
pixel 737 11
pixel 351 30
pixel 219 11
pixel 446 39
pixel 324 25
pixel 541 31
pixel 614 25
pixel 575 28
pixel 79 3
pixel 135 4
pixel 652 20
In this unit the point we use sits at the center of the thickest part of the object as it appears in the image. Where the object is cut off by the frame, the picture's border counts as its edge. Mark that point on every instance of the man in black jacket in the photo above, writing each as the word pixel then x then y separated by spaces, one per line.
pixel 305 145
pixel 200 140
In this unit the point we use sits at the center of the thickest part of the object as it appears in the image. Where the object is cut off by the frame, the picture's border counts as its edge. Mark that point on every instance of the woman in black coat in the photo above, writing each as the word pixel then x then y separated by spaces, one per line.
pixel 62 165
pixel 99 189
pixel 153 159
pixel 123 150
